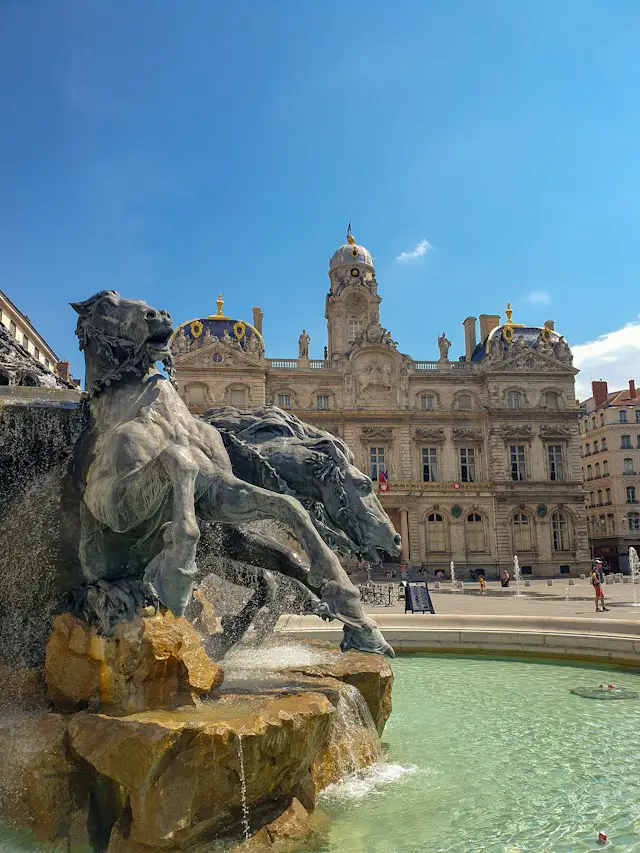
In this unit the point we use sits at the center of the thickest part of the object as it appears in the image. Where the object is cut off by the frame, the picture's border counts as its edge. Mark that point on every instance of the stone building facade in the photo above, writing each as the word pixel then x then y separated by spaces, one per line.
pixel 479 456
pixel 610 450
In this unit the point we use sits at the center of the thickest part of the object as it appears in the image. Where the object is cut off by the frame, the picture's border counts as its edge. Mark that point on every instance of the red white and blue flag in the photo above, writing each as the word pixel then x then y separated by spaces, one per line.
pixel 383 482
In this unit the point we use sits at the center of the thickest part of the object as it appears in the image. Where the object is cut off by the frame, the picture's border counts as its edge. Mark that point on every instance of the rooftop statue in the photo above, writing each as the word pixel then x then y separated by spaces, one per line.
pixel 145 472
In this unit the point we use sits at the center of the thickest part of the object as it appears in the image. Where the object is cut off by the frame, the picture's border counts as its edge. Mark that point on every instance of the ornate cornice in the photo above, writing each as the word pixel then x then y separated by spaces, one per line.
pixel 467 434
pixel 433 434
pixel 377 432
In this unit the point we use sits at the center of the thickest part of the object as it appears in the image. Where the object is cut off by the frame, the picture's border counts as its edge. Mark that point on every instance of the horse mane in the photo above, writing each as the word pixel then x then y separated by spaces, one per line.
pixel 113 356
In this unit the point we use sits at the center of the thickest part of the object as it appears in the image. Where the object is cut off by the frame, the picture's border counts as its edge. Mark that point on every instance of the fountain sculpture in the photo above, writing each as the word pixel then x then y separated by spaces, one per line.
pixel 147 483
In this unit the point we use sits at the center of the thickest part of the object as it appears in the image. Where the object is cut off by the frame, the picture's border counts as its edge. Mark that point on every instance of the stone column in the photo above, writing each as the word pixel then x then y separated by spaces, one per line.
pixel 404 533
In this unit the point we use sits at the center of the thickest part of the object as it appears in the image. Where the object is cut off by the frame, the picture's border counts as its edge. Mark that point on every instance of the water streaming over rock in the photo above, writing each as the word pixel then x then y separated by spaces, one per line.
pixel 246 827
pixel 361 744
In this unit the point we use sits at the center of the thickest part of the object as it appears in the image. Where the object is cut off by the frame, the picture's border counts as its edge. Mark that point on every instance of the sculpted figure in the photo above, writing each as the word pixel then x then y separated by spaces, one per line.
pixel 303 344
pixel 145 472
pixel 443 345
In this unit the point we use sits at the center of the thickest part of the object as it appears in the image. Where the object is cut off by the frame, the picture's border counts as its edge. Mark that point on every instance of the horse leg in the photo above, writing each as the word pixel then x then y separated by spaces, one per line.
pixel 235 501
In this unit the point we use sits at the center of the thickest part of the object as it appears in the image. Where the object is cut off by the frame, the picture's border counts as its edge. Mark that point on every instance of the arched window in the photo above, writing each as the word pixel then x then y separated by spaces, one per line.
pixel 599 497
pixel 604 444
pixel 597 470
pixel 633 519
pixel 427 402
pixel 465 402
pixel 611 523
pixel 595 446
pixel 436 533
pixel 475 533
pixel 589 472
pixel 601 418
pixel 607 493
pixel 560 537
pixel 521 532
pixel 514 400
pixel 593 422
pixel 605 467
pixel 628 467
pixel 551 400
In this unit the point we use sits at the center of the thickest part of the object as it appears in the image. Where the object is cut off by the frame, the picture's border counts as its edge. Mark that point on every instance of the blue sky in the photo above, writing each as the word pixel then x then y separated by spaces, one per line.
pixel 171 150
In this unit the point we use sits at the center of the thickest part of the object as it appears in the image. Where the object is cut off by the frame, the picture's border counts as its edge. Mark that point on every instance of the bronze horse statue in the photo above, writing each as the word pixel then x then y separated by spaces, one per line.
pixel 145 471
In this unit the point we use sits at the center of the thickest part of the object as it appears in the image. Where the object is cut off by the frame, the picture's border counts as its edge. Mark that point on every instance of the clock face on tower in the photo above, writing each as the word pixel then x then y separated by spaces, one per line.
pixel 355 272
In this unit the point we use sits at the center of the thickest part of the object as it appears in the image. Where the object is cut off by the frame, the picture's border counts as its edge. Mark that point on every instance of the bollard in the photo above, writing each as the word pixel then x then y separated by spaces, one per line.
pixel 571 582
pixel 582 577
pixel 527 583
pixel 549 582
pixel 436 585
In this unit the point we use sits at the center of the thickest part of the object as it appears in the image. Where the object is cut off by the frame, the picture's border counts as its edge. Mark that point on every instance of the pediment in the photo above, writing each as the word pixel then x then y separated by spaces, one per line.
pixel 230 354
pixel 531 361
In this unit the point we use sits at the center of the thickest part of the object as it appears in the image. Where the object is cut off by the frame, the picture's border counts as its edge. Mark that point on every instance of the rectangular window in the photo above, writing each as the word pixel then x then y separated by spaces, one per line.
pixel 623 416
pixel 518 462
pixel 12 328
pixel 514 400
pixel 237 398
pixel 25 342
pixel 36 353
pixel 631 494
pixel 555 456
pixel 604 443
pixel 322 401
pixel 376 461
pixel 605 468
pixel 426 402
pixel 354 329
pixel 429 464
pixel 47 363
pixel 468 464
pixel 628 466
pixel 625 442
pixel 607 493
pixel 638 416
pixel 284 401
pixel 588 450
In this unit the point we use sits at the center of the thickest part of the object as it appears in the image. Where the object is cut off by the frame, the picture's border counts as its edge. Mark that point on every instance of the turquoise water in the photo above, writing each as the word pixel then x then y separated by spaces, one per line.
pixel 491 756
pixel 496 756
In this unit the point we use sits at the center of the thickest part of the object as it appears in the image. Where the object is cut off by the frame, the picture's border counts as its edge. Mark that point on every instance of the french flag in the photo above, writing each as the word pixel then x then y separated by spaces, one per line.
pixel 383 481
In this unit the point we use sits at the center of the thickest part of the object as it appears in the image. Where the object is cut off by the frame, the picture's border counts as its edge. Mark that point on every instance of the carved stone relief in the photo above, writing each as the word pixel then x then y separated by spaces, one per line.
pixel 514 431
pixel 467 434
pixel 377 432
pixel 555 431
pixel 434 435
pixel 374 381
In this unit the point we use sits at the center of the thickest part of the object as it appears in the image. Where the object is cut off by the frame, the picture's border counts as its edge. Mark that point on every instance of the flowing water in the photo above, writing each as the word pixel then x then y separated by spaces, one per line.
pixel 454 583
pixel 634 565
pixel 246 827
pixel 489 756
pixel 517 575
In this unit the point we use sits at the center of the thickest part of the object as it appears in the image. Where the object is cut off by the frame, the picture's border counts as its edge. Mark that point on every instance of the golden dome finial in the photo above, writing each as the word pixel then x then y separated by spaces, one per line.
pixel 350 238
pixel 219 303
pixel 509 312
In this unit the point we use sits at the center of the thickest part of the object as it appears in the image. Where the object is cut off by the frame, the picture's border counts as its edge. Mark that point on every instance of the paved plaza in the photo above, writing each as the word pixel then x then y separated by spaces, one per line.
pixel 537 600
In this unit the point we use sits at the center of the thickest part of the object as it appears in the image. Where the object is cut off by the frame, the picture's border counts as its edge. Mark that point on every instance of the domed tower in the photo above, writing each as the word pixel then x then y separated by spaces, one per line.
pixel 352 302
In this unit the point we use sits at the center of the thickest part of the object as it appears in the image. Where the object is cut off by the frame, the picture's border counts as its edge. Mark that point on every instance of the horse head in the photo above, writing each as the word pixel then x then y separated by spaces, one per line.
pixel 349 500
pixel 121 336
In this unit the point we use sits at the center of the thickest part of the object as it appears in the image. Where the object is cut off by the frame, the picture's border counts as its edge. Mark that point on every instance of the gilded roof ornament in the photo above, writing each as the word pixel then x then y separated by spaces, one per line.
pixel 350 238
pixel 219 315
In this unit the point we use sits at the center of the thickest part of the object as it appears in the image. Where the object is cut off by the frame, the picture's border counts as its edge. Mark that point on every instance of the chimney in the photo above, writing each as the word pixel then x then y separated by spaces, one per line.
pixel 632 389
pixel 600 391
pixel 62 369
pixel 257 317
pixel 469 337
pixel 488 322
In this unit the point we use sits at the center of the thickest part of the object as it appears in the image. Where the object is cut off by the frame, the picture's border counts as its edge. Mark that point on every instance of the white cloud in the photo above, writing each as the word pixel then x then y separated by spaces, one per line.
pixel 421 249
pixel 539 297
pixel 614 357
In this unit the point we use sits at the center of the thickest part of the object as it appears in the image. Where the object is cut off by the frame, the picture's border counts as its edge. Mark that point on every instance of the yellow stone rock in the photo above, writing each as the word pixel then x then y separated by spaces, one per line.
pixel 151 662
pixel 182 769
pixel 38 782
pixel 281 835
